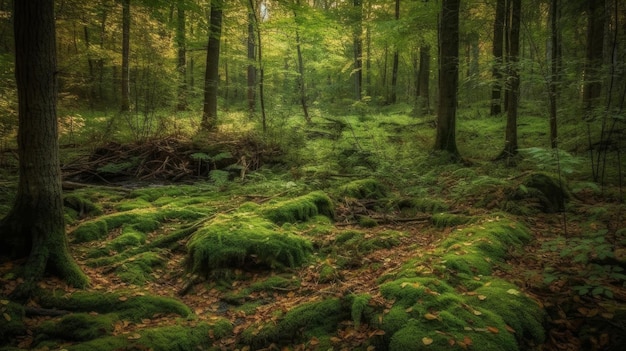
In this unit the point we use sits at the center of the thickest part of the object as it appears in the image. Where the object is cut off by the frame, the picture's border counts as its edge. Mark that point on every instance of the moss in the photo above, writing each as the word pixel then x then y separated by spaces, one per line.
pixel 174 338
pixel 328 273
pixel 90 231
pixel 410 206
pixel 242 240
pixel 133 204
pixel 300 208
pixel 442 220
pixel 77 327
pixel 367 222
pixel 81 205
pixel 14 324
pixel 359 306
pixel 542 191
pixel 128 305
pixel 138 269
pixel 364 189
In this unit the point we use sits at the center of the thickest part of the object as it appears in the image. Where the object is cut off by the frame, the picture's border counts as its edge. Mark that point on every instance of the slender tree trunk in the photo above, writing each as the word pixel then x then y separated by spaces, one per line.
pixel 357 37
pixel 498 38
pixel 396 58
pixel 260 64
pixel 555 54
pixel 251 74
pixel 125 55
pixel 301 78
pixel 91 66
pixel 448 77
pixel 423 81
pixel 35 225
pixel 511 145
pixel 209 114
pixel 181 65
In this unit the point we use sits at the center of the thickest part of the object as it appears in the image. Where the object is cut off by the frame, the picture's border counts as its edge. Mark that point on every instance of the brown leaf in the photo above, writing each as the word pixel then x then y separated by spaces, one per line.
pixel 430 316
pixel 314 341
pixel 123 298
pixel 509 329
pixel 427 341
pixel 482 297
pixel 493 330
pixel 467 341
pixel 135 336
pixel 7 317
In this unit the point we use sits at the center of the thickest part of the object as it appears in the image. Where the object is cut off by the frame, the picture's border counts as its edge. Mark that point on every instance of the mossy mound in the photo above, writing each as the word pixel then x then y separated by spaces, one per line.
pixel 170 338
pixel 313 319
pixel 429 314
pixel 475 249
pixel 138 269
pixel 244 240
pixel 364 189
pixel 539 192
pixel 77 206
pixel 443 220
pixel 76 327
pixel 412 206
pixel 299 209
pixel 11 321
pixel 131 305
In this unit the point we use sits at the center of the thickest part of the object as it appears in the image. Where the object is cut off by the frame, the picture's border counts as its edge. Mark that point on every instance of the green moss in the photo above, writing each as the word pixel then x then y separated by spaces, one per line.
pixel 14 324
pixel 238 240
pixel 367 222
pixel 133 204
pixel 128 305
pixel 411 206
pixel 77 327
pixel 364 189
pixel 328 273
pixel 138 269
pixel 359 306
pixel 90 231
pixel 301 208
pixel 541 191
pixel 170 338
pixel 81 205
pixel 442 220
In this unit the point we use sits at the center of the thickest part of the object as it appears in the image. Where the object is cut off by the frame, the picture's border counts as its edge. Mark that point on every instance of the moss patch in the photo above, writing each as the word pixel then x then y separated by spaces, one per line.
pixel 138 269
pixel 13 324
pixel 131 305
pixel 77 327
pixel 245 241
pixel 299 209
pixel 364 189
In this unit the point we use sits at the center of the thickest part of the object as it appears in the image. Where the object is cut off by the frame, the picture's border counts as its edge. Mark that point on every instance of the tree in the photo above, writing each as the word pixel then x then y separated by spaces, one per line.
pixel 181 64
pixel 448 77
pixel 301 81
pixel 423 81
pixel 125 55
pixel 209 115
pixel 251 48
pixel 592 86
pixel 498 38
pixel 357 40
pixel 510 144
pixel 35 226
pixel 555 58
pixel 396 58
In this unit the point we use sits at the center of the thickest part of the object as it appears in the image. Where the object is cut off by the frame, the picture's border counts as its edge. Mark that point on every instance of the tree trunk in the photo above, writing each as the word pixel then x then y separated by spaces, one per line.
pixel 555 58
pixel 125 55
pixel 423 81
pixel 251 74
pixel 209 115
pixel 448 77
pixel 396 58
pixel 592 86
pixel 301 81
pixel 181 65
pixel 498 38
pixel 510 145
pixel 35 225
pixel 358 48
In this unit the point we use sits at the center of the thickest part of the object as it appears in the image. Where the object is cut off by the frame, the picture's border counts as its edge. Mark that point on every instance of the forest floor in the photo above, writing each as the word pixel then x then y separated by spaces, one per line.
pixel 380 233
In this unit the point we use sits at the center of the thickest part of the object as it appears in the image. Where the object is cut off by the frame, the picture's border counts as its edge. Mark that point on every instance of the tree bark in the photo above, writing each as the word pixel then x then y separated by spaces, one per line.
pixel 35 225
pixel 511 145
pixel 396 58
pixel 251 74
pixel 209 115
pixel 555 58
pixel 125 106
pixel 448 77
pixel 301 81
pixel 498 38
pixel 423 81
pixel 592 86
pixel 358 48
pixel 181 64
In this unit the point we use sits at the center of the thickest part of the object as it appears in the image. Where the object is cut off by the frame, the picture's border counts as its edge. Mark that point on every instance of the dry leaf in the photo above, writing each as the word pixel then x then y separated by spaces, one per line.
pixel 493 330
pixel 409 310
pixel 467 341
pixel 314 341
pixel 482 297
pixel 4 302
pixel 513 292
pixel 509 329
pixel 7 317
pixel 430 316
pixel 123 298
pixel 134 336
pixel 427 341
pixel 477 313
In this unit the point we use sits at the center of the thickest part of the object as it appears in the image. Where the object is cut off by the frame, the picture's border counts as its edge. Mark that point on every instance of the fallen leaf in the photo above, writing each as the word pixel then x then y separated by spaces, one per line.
pixel 467 341
pixel 451 342
pixel 7 317
pixel 409 310
pixel 430 316
pixel 334 339
pixel 123 298
pixel 4 302
pixel 314 341
pixel 482 297
pixel 513 292
pixel 477 313
pixel 493 330
pixel 427 341
pixel 135 336
pixel 509 329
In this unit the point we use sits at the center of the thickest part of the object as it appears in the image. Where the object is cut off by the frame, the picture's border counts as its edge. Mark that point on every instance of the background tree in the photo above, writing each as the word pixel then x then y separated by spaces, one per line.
pixel 497 49
pixel 357 40
pixel 209 114
pixel 181 64
pixel 448 77
pixel 35 226
pixel 125 55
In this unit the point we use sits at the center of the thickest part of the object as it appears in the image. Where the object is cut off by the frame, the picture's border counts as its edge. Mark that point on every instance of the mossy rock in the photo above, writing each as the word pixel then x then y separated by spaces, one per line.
pixel 170 338
pixel 127 305
pixel 244 241
pixel 77 327
pixel 542 191
pixel 14 324
pixel 299 209
pixel 364 189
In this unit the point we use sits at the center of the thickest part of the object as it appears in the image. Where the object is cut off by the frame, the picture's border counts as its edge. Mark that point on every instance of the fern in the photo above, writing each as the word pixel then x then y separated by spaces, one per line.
pixel 549 160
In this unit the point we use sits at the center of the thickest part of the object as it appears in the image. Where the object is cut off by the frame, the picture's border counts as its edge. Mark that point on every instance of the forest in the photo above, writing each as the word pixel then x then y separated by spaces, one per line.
pixel 312 175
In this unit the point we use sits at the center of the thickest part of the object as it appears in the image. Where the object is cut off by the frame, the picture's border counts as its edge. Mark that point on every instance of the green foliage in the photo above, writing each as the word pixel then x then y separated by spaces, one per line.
pixel 411 206
pixel 442 220
pixel 301 208
pixel 541 191
pixel 359 305
pixel 548 160
pixel 243 239
pixel 364 189
pixel 138 269
pixel 127 305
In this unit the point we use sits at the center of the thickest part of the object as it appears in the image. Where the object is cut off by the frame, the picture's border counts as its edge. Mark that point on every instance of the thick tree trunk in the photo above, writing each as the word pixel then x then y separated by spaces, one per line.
pixel 498 38
pixel 35 226
pixel 125 55
pixel 181 64
pixel 209 115
pixel 592 87
pixel 510 144
pixel 448 77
